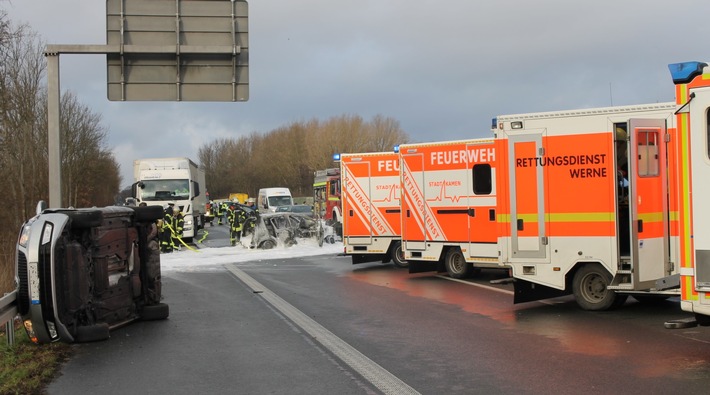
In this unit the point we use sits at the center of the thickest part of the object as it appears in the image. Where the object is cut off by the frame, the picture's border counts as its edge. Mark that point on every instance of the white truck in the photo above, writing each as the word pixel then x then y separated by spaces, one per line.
pixel 180 181
pixel 270 198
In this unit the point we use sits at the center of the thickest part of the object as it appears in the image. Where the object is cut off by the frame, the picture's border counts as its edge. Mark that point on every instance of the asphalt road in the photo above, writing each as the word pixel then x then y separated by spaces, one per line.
pixel 319 325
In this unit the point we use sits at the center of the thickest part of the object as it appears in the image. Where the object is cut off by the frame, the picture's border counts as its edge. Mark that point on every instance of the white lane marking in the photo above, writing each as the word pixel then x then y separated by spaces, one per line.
pixel 382 379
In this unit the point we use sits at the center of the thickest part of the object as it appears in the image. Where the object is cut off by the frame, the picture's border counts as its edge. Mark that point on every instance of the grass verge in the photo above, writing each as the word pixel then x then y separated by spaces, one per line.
pixel 27 368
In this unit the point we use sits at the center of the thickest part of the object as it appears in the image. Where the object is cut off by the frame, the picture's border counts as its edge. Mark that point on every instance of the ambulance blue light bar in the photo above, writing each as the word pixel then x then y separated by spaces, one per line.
pixel 683 73
pixel 396 149
pixel 336 157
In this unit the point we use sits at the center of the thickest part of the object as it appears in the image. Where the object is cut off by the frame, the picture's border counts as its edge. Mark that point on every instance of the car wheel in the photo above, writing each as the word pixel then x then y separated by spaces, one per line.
pixel 267 244
pixel 92 333
pixel 148 213
pixel 154 312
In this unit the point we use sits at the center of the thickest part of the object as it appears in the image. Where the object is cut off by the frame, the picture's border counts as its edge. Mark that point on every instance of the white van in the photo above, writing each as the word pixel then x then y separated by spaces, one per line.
pixel 270 198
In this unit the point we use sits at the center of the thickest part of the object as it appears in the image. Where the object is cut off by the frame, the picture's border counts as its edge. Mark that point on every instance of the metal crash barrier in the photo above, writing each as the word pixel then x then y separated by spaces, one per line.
pixel 8 311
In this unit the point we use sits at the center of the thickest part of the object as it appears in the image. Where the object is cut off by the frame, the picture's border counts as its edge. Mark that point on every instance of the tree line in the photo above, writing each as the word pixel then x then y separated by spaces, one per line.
pixel 289 156
pixel 90 173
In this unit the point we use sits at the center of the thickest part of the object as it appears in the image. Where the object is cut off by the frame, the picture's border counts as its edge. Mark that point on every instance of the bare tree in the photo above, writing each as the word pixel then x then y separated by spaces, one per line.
pixel 288 156
pixel 90 172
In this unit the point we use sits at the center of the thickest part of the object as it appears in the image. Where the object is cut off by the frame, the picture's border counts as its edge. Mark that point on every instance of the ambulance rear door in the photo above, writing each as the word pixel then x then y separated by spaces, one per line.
pixel 413 202
pixel 648 201
pixel 358 209
pixel 528 238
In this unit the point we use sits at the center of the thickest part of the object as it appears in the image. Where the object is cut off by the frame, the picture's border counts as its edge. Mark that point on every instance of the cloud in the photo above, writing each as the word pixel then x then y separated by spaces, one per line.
pixel 443 69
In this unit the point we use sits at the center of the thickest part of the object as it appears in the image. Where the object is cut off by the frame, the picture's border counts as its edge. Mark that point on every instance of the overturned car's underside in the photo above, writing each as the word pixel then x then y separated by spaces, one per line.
pixel 83 272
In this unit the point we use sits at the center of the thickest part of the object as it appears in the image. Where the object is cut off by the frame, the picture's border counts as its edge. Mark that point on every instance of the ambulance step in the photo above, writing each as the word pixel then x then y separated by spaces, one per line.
pixel 621 287
pixel 623 280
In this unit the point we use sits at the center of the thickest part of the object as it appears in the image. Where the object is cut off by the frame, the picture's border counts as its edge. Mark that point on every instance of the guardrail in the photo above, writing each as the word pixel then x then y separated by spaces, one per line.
pixel 8 311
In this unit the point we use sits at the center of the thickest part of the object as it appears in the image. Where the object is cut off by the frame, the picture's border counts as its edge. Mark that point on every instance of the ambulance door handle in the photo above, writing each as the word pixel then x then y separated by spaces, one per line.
pixel 407 213
pixel 640 226
pixel 520 224
pixel 351 213
pixel 471 212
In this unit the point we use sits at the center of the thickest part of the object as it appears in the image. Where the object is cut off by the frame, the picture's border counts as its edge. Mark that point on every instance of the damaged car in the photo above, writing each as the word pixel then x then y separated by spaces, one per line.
pixel 84 272
pixel 283 228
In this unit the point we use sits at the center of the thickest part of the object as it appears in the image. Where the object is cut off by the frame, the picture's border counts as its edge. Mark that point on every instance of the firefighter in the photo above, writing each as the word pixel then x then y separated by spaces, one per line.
pixel 249 217
pixel 165 228
pixel 218 211
pixel 225 211
pixel 236 219
pixel 178 225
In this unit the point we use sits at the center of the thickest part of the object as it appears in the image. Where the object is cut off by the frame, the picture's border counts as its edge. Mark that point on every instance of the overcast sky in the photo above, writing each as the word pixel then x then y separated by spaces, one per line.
pixel 442 68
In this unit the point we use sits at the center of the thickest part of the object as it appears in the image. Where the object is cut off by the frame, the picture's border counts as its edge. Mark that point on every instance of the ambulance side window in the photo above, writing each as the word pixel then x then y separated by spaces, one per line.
pixel 482 180
pixel 647 153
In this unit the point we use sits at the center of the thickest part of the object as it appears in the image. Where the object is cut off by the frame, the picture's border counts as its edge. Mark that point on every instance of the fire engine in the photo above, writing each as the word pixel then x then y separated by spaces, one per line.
pixel 371 207
pixel 601 203
pixel 326 196
pixel 449 201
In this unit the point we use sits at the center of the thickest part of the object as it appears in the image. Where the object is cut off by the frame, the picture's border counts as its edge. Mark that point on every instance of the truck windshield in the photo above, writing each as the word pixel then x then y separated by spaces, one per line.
pixel 275 201
pixel 165 190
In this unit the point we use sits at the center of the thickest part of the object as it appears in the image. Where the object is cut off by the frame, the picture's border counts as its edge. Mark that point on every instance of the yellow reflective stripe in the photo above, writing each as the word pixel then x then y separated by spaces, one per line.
pixel 319 184
pixel 563 217
pixel 651 217
pixel 581 217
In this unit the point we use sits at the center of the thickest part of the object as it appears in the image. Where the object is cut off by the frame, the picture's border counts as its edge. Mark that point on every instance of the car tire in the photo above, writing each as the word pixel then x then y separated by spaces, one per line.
pixel 155 312
pixel 148 213
pixel 92 333
pixel 267 245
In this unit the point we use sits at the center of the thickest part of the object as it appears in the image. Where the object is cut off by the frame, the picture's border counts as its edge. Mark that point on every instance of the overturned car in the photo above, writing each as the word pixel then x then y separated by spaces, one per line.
pixel 84 272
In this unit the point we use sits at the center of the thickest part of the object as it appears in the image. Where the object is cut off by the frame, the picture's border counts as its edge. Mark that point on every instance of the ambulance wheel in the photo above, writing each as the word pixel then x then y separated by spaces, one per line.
pixel 398 255
pixel 589 287
pixel 456 264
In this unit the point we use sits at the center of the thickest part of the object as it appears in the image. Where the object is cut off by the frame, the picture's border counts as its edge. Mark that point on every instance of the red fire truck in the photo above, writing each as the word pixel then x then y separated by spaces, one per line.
pixel 326 197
